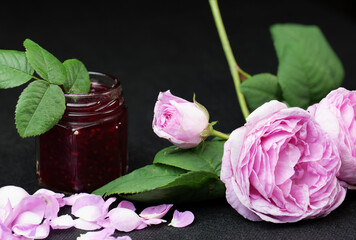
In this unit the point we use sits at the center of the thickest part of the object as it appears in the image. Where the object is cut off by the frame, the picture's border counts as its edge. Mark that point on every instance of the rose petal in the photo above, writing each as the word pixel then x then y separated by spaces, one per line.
pixel 85 225
pixel 13 193
pixel 89 208
pixel 5 212
pixel 182 219
pixel 105 223
pixel 5 233
pixel 52 204
pixel 124 238
pixel 124 219
pixel 102 234
pixel 62 222
pixel 155 211
pixel 72 198
pixel 88 213
pixel 127 204
pixel 153 221
pixel 32 231
pixel 27 212
pixel 142 225
pixel 57 196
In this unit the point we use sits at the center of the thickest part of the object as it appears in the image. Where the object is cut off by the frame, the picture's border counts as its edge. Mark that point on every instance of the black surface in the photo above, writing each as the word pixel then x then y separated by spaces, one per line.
pixel 153 46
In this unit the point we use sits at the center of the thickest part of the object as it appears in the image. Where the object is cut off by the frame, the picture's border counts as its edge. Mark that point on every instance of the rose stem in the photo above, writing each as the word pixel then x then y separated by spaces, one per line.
pixel 219 134
pixel 229 55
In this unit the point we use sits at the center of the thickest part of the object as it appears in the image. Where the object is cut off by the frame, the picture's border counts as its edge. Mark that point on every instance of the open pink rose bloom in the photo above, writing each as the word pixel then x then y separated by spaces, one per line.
pixel 281 166
pixel 336 114
pixel 179 121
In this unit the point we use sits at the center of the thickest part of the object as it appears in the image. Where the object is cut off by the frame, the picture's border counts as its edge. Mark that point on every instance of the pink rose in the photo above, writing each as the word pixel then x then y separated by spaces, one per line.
pixel 281 167
pixel 179 121
pixel 336 115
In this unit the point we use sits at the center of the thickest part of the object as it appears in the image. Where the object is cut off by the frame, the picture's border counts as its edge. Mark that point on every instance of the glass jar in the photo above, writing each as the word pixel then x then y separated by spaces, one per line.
pixel 87 148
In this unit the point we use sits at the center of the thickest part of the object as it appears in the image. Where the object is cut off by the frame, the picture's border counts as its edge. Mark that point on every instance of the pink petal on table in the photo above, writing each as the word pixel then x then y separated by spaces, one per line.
pixel 107 204
pixel 52 205
pixel 124 219
pixel 98 235
pixel 29 211
pixel 85 225
pixel 5 233
pixel 127 204
pixel 181 219
pixel 72 198
pixel 118 238
pixel 32 231
pixel 156 211
pixel 5 212
pixel 62 222
pixel 89 208
pixel 124 238
pixel 58 196
pixel 142 225
pixel 104 222
pixel 153 221
pixel 13 193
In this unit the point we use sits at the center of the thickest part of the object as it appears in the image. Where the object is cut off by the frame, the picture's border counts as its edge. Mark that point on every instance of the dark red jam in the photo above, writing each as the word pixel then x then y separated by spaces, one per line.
pixel 88 147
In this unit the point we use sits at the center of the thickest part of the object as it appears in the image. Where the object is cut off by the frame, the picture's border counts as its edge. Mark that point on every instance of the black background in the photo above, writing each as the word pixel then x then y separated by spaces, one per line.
pixel 154 46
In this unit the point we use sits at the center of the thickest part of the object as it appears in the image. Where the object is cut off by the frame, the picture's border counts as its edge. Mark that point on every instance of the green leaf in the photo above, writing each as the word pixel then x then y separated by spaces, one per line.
pixel 40 106
pixel 261 88
pixel 78 80
pixel 205 157
pixel 44 63
pixel 308 67
pixel 14 69
pixel 143 179
pixel 158 183
pixel 189 187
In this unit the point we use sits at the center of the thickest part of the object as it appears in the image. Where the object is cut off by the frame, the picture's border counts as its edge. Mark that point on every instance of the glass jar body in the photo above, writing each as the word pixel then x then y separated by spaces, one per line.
pixel 87 148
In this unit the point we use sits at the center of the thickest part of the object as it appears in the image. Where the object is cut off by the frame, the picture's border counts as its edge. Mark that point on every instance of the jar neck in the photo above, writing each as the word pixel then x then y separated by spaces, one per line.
pixel 105 98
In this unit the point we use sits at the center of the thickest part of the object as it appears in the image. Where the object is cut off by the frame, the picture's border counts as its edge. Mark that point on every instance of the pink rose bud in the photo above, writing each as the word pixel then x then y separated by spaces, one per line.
pixel 336 115
pixel 281 166
pixel 179 121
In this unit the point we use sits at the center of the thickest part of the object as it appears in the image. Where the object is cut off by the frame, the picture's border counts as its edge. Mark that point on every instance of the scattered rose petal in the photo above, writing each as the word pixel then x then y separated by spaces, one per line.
pixel 102 234
pixel 5 212
pixel 142 225
pixel 182 219
pixel 5 233
pixel 89 208
pixel 153 221
pixel 107 204
pixel 85 225
pixel 124 219
pixel 29 211
pixel 62 222
pixel 127 204
pixel 124 238
pixel 57 196
pixel 13 194
pixel 52 203
pixel 72 198
pixel 155 211
pixel 104 222
pixel 25 216
pixel 33 231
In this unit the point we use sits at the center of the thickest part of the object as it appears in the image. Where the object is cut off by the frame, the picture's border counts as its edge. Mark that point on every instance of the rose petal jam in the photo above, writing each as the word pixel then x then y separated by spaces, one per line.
pixel 87 148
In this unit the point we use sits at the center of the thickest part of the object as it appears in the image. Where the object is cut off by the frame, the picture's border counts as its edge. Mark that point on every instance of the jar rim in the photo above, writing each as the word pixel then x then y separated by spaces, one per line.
pixel 114 87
